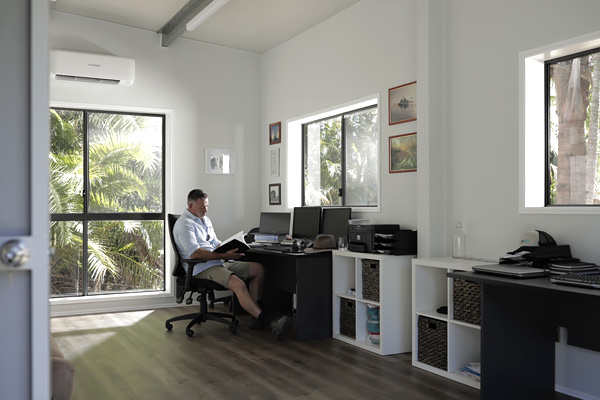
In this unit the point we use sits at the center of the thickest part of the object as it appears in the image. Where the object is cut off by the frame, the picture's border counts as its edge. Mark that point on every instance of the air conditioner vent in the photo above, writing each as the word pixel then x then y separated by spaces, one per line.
pixel 61 77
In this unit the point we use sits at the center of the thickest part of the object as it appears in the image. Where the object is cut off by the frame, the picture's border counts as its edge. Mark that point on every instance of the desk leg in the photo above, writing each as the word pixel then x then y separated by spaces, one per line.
pixel 517 345
pixel 313 298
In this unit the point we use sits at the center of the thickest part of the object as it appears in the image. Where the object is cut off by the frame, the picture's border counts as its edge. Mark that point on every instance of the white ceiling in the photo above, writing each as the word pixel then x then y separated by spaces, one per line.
pixel 252 25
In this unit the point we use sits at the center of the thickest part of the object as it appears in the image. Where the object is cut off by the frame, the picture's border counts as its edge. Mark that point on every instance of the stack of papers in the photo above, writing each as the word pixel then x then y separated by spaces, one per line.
pixel 473 371
pixel 518 257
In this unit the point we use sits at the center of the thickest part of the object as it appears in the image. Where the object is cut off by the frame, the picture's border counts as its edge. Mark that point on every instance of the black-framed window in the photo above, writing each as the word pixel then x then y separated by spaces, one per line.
pixel 572 108
pixel 341 160
pixel 106 199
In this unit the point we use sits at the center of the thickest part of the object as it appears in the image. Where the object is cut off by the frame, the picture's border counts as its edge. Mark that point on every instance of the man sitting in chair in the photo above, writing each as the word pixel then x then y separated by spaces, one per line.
pixel 195 238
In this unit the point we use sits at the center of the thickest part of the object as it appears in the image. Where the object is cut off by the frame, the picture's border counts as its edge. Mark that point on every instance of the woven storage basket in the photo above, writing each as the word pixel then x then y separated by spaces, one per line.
pixel 467 301
pixel 370 280
pixel 433 342
pixel 348 318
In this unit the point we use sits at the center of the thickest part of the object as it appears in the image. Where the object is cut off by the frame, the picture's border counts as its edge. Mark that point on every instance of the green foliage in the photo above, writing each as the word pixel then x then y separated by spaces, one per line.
pixel 359 169
pixel 125 175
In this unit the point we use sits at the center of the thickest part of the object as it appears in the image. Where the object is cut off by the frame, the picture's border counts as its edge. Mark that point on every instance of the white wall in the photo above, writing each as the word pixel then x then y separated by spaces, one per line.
pixel 464 55
pixel 364 50
pixel 212 96
pixel 212 93
pixel 482 40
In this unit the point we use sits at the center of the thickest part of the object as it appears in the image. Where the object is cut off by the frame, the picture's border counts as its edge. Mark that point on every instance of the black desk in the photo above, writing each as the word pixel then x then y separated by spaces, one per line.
pixel 306 275
pixel 519 324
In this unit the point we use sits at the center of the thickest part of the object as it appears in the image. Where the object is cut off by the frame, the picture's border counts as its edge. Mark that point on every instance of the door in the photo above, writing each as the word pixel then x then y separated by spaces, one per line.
pixel 24 309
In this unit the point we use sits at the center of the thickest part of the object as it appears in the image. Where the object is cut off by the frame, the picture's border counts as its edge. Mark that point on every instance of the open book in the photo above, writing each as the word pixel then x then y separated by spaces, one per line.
pixel 235 242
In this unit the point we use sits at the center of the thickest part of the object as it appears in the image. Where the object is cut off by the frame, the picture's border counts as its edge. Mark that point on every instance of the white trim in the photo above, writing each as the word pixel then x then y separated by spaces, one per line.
pixel 531 124
pixel 68 306
pixel 575 393
pixel 39 146
pixel 64 306
pixel 109 108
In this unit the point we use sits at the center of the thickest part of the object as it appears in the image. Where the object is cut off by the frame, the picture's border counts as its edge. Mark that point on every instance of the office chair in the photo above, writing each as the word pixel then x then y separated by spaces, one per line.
pixel 204 287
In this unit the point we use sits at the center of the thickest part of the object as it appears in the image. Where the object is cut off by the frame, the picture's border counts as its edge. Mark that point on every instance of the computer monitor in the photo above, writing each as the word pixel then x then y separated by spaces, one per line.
pixel 335 221
pixel 274 222
pixel 307 222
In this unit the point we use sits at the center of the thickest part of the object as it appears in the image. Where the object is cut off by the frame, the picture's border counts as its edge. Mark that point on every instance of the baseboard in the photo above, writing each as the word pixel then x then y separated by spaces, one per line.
pixel 575 393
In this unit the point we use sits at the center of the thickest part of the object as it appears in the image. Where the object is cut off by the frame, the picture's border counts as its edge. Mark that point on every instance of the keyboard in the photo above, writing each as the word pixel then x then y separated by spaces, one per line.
pixel 575 279
pixel 277 247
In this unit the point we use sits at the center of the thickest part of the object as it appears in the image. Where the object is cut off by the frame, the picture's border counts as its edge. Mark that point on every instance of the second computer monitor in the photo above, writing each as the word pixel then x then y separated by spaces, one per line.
pixel 307 222
pixel 274 223
pixel 335 221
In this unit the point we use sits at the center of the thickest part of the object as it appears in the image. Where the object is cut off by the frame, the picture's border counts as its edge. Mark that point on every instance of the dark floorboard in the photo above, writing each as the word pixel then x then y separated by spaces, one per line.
pixel 132 356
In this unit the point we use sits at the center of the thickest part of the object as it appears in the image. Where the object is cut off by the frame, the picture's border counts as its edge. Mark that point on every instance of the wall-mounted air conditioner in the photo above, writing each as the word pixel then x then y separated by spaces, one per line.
pixel 92 68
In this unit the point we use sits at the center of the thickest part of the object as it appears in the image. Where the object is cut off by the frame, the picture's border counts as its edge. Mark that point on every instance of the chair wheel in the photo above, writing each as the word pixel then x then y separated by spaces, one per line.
pixel 236 322
pixel 232 329
pixel 188 301
pixel 211 305
pixel 189 332
pixel 169 325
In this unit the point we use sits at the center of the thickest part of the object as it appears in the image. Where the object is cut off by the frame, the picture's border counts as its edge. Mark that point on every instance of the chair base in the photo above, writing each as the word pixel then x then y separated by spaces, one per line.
pixel 203 316
pixel 197 318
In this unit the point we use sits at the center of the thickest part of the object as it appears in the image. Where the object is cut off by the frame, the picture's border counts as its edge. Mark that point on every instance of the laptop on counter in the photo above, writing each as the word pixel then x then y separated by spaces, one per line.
pixel 273 227
pixel 512 270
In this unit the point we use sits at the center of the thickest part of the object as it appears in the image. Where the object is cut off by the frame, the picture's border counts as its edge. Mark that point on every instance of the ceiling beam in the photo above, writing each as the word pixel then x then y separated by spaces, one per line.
pixel 176 25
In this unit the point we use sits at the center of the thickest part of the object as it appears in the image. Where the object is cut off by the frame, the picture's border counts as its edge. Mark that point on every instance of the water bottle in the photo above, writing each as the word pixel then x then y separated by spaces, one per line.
pixel 458 242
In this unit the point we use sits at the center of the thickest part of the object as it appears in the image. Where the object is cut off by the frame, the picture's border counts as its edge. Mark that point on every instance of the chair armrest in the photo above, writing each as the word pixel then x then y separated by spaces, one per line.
pixel 189 276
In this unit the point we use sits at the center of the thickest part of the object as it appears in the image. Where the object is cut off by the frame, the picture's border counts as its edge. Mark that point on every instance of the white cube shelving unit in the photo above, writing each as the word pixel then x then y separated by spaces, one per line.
pixel 432 289
pixel 394 300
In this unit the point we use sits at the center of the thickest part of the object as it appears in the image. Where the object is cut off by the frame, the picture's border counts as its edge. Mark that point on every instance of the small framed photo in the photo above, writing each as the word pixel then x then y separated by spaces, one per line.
pixel 219 161
pixel 403 153
pixel 275 162
pixel 402 101
pixel 275 133
pixel 275 194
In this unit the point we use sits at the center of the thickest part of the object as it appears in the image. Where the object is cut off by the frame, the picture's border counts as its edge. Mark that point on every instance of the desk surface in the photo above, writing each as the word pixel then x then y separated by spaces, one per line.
pixel 542 283
pixel 261 250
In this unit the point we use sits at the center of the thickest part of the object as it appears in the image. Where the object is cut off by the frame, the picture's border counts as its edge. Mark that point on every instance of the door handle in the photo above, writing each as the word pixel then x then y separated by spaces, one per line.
pixel 14 253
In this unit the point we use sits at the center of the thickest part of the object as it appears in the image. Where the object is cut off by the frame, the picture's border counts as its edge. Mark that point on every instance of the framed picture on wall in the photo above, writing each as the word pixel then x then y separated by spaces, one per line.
pixel 275 133
pixel 403 153
pixel 402 102
pixel 219 161
pixel 275 162
pixel 275 194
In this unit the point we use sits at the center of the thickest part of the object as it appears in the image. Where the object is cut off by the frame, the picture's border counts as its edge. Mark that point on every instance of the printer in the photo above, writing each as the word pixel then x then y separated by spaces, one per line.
pixel 382 239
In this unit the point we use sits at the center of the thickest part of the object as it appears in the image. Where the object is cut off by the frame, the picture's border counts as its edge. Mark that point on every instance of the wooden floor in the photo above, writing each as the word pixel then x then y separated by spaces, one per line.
pixel 132 356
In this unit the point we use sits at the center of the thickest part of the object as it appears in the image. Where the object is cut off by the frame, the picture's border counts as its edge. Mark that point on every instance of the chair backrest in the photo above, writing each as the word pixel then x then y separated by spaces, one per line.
pixel 178 270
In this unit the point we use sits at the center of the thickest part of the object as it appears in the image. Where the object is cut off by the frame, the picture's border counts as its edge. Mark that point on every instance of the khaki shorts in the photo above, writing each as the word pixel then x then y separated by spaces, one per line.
pixel 221 274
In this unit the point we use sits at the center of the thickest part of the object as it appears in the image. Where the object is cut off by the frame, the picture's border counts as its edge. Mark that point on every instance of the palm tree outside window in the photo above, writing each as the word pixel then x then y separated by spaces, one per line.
pixel 106 202
pixel 341 160
pixel 572 109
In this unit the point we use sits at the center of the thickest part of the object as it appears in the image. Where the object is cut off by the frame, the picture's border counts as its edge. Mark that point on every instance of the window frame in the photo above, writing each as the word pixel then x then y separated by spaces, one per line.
pixel 85 217
pixel 548 176
pixel 532 125
pixel 293 148
pixel 343 154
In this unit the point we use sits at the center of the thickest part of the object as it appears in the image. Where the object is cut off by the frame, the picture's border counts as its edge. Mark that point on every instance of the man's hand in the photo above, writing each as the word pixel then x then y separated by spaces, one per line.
pixel 232 255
